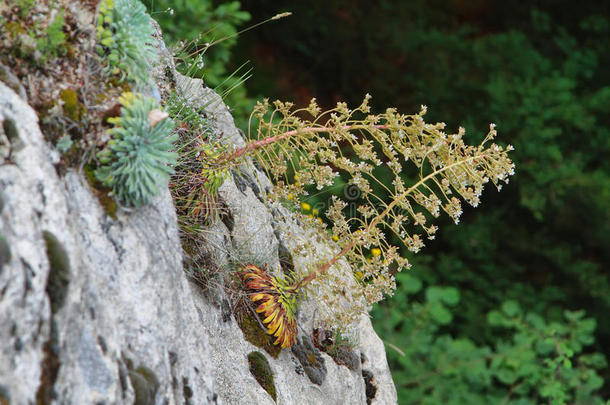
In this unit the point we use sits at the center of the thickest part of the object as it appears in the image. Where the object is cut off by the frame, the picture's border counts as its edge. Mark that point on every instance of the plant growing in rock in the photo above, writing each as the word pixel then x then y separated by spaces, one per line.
pixel 278 297
pixel 32 31
pixel 195 181
pixel 124 33
pixel 297 153
pixel 139 158
pixel 197 177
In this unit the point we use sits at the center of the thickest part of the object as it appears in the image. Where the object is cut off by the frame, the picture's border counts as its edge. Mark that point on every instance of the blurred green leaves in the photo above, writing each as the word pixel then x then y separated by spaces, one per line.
pixel 528 360
pixel 438 300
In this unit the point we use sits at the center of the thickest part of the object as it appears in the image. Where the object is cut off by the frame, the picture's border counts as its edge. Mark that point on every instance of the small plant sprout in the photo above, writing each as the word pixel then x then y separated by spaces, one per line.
pixel 441 172
pixel 196 179
pixel 64 143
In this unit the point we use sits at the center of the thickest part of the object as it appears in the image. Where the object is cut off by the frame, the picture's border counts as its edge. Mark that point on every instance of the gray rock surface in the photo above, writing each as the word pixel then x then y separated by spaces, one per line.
pixel 120 303
pixel 95 309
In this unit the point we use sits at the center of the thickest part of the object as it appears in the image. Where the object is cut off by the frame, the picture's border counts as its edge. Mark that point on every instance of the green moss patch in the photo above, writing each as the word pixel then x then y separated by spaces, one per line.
pixel 101 192
pixel 12 134
pixel 255 334
pixel 59 274
pixel 143 380
pixel 261 370
pixel 73 109
pixel 145 385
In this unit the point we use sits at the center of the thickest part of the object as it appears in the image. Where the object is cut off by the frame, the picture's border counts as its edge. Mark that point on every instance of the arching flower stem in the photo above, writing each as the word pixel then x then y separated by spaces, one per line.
pixel 320 270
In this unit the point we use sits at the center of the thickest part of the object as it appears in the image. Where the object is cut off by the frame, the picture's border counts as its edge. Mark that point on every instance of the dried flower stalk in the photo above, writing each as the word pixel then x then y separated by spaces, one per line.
pixel 297 153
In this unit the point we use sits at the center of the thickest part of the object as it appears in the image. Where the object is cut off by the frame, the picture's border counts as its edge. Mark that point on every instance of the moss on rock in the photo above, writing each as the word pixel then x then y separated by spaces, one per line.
pixel 73 109
pixel 311 360
pixel 255 334
pixel 102 193
pixel 261 370
pixel 145 385
pixel 59 274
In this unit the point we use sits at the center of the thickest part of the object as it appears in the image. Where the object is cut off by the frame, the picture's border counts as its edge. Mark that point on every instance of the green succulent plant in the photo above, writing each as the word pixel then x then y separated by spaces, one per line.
pixel 140 158
pixel 124 32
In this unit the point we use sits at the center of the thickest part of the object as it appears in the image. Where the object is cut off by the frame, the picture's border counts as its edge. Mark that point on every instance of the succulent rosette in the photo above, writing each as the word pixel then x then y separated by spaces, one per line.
pixel 277 300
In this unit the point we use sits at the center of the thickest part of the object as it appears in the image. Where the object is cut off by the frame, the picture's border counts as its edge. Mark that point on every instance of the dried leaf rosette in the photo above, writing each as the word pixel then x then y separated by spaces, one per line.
pixel 278 302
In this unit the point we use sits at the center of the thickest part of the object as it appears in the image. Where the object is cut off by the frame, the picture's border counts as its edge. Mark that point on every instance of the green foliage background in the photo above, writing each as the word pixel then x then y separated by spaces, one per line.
pixel 491 312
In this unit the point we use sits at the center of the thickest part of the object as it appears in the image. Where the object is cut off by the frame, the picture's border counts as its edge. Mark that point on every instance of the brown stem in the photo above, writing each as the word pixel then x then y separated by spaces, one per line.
pixel 285 135
pixel 305 280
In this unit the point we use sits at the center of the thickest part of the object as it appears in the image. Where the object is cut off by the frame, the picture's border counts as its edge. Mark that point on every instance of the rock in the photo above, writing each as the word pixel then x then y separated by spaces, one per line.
pixel 98 309
pixel 311 360
pixel 376 365
pixel 12 81
pixel 96 279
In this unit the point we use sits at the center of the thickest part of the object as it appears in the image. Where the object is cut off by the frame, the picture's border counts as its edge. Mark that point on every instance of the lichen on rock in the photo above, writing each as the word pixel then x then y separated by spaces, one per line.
pixel 255 334
pixel 311 360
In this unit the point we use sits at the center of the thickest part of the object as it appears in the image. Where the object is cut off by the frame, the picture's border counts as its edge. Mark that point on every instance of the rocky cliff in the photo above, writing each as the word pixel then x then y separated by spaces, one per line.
pixel 98 309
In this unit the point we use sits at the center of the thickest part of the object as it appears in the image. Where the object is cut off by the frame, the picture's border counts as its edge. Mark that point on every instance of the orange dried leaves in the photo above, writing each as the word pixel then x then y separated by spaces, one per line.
pixel 277 303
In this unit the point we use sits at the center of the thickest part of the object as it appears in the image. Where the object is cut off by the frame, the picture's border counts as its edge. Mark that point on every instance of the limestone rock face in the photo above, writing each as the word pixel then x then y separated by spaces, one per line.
pixel 93 309
pixel 97 309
